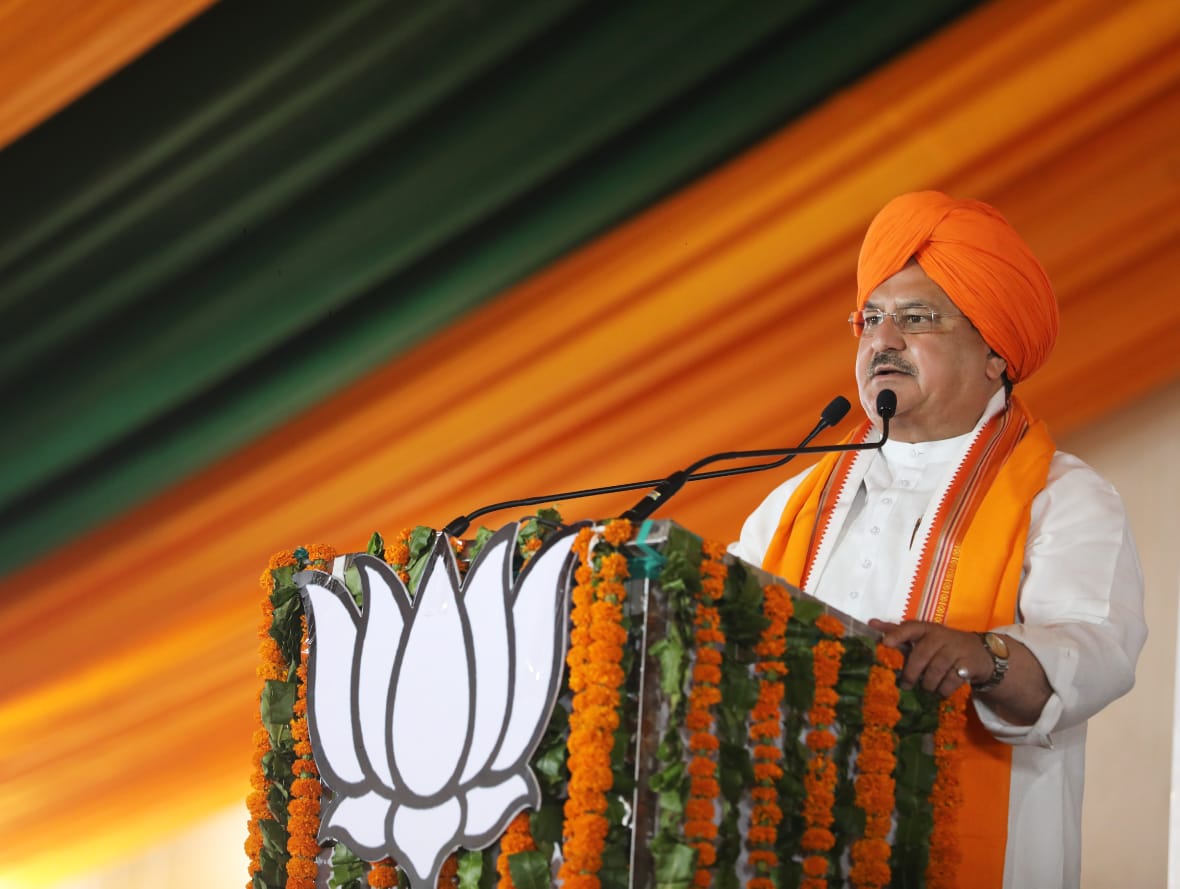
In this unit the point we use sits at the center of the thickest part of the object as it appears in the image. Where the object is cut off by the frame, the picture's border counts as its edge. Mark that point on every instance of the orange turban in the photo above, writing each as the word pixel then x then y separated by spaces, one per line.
pixel 970 251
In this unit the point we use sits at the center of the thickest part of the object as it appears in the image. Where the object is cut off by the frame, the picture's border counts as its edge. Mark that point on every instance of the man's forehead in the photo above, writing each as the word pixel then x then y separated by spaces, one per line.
pixel 909 287
pixel 907 300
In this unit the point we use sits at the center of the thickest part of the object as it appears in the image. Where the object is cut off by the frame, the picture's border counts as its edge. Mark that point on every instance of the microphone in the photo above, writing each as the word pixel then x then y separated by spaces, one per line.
pixel 832 414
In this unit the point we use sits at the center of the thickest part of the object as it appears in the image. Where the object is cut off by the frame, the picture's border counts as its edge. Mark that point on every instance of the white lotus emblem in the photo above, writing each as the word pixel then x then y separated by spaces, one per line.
pixel 423 713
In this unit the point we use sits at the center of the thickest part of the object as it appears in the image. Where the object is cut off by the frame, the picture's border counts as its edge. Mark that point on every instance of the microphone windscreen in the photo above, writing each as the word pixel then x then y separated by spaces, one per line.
pixel 837 408
pixel 886 403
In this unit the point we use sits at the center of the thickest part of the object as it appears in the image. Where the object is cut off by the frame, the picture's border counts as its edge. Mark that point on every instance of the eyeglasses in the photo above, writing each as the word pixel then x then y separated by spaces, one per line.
pixel 914 319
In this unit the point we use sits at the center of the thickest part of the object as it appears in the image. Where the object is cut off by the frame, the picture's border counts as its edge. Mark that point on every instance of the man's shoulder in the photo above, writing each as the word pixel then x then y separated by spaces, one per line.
pixel 1073 483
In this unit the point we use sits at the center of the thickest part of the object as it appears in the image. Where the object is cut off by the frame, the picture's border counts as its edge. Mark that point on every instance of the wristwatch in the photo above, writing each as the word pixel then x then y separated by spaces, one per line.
pixel 998 649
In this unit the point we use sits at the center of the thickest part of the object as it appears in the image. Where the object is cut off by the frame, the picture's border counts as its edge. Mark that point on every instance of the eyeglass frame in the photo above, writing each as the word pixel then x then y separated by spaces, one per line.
pixel 931 315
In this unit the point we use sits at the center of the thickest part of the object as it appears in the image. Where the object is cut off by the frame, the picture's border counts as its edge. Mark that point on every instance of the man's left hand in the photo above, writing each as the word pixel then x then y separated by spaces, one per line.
pixel 935 655
pixel 942 660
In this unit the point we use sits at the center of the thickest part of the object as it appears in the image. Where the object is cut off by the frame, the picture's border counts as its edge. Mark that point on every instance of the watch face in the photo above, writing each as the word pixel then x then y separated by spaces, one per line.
pixel 996 645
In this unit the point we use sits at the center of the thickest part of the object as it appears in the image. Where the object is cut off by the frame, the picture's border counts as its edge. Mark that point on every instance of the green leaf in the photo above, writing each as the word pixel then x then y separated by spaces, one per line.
pixel 615 872
pixel 546 823
pixel 735 771
pixel 806 610
pixel 489 877
pixel 674 865
pixel 672 661
pixel 470 869
pixel 283 577
pixel 278 701
pixel 548 521
pixel 376 546
pixel 286 628
pixel 274 839
pixel 348 871
pixel 276 768
pixel 352 582
pixel 272 868
pixel 550 764
pixel 741 608
pixel 671 777
pixel 530 870
pixel 482 536
pixel 421 540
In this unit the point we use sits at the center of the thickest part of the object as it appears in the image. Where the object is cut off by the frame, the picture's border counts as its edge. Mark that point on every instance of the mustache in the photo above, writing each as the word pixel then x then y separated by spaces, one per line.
pixel 892 361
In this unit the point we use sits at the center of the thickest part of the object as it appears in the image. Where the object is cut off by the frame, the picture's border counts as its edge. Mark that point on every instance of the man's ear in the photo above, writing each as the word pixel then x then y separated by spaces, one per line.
pixel 996 366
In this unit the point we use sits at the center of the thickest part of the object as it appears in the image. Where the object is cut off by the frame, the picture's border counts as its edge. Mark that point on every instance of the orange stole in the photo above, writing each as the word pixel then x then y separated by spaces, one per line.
pixel 983 590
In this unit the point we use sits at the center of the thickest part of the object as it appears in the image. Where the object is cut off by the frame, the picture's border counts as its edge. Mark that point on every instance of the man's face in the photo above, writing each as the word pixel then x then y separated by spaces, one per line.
pixel 943 378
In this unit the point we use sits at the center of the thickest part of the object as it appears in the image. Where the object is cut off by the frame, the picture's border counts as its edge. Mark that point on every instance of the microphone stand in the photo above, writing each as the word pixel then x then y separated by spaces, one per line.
pixel 666 487
pixel 886 408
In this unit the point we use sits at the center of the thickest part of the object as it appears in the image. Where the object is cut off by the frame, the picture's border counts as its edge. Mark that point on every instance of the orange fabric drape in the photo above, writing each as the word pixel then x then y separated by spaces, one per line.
pixel 712 321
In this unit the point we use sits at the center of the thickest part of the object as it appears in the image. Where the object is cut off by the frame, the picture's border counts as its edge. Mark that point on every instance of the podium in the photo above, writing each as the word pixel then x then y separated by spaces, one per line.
pixel 662 713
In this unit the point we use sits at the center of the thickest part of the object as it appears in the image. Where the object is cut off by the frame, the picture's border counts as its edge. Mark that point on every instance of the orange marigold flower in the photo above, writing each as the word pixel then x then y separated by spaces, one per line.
pixel 763 834
pixel 281 560
pixel 713 549
pixel 302 867
pixel 815 866
pixel 818 839
pixel 383 875
pixel 617 532
pixel 763 857
pixel 830 625
pixel 706 854
pixel 890 658
pixel 767 771
pixel 821 739
pixel 320 552
pixel 704 742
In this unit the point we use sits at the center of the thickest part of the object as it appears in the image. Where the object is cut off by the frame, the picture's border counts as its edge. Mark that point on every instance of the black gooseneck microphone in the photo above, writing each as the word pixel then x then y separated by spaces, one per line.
pixel 666 487
pixel 886 408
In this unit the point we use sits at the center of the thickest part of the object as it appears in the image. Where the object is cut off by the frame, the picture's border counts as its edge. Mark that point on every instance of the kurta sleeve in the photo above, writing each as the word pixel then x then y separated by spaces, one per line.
pixel 1080 603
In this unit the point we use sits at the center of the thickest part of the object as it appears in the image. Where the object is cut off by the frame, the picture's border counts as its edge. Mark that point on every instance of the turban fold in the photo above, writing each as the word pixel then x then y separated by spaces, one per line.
pixel 969 250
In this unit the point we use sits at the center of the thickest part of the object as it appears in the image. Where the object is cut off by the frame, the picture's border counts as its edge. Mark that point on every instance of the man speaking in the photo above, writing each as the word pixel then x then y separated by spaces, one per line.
pixel 990 557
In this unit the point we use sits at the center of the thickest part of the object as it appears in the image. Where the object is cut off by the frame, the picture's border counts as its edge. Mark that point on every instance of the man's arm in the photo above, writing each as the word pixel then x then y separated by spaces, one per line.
pixel 1073 647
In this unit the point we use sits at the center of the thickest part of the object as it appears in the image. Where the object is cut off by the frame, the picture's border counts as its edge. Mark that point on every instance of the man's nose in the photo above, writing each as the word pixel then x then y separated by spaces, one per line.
pixel 888 337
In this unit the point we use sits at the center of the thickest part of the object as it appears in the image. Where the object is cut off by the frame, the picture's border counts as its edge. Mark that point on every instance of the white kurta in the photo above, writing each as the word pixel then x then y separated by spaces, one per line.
pixel 1080 612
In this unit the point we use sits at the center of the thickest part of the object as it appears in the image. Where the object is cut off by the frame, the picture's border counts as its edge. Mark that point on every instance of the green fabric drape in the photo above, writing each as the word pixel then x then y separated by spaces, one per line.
pixel 281 197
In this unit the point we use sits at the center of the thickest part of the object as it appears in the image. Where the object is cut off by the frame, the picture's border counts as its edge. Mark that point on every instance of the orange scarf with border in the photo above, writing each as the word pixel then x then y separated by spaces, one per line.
pixel 968 578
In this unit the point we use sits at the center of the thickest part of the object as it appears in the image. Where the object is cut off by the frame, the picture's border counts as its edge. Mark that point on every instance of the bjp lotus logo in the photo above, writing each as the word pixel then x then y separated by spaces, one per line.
pixel 424 712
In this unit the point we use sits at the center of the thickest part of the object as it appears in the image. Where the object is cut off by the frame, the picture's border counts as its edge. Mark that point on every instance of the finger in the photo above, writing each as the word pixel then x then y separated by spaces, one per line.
pixel 950 684
pixel 940 670
pixel 917 662
pixel 900 636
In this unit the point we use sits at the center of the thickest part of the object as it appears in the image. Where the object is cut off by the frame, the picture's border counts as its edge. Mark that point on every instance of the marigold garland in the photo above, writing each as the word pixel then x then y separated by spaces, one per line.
pixel 700 811
pixel 271 665
pixel 820 781
pixel 597 644
pixel 397 554
pixel 946 797
pixel 518 837
pixel 595 678
pixel 875 786
pixel 303 811
pixel 766 736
